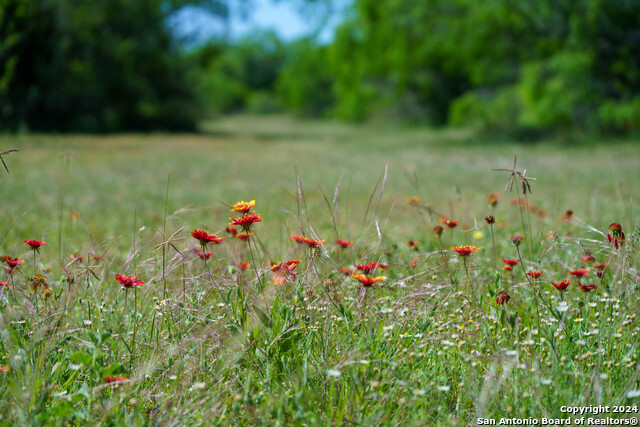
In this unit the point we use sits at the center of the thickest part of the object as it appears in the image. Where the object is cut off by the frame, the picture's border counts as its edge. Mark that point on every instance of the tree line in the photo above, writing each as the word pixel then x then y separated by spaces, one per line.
pixel 497 65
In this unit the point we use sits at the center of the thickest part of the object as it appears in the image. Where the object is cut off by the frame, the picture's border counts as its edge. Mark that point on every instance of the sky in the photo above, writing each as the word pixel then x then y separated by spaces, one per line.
pixel 281 17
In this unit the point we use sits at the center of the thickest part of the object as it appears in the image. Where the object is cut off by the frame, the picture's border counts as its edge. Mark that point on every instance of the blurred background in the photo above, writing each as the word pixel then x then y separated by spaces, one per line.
pixel 516 67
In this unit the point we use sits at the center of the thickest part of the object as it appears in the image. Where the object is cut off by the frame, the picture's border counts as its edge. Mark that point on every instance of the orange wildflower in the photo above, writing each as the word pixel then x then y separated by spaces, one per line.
pixel 205 238
pixel 562 286
pixel 344 243
pixel 465 250
pixel 243 207
pixel 367 281
pixel 616 235
pixel 581 272
pixel 246 221
pixel 451 223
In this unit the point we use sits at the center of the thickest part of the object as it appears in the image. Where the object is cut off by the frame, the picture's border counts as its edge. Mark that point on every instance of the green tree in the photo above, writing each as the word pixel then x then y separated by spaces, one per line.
pixel 93 65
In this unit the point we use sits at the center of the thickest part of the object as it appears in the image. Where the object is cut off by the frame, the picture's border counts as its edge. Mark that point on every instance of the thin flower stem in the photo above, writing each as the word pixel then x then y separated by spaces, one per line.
pixel 526 198
pixel 253 261
pixel 535 288
pixel 606 264
pixel 524 226
pixel 226 301
pixel 493 240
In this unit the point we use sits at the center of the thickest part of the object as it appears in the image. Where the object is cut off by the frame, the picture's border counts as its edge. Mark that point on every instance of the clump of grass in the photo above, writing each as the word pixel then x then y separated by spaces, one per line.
pixel 316 334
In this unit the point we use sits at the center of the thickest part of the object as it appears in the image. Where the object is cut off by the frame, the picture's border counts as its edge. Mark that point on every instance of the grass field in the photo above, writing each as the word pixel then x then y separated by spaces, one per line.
pixel 209 343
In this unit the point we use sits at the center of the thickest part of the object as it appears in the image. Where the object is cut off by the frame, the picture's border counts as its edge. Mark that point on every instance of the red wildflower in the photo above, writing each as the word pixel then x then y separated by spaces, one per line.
pixel 244 236
pixel 35 244
pixel 298 238
pixel 534 274
pixel 367 281
pixel 414 262
pixel 581 272
pixel 600 268
pixel 98 258
pixel 465 250
pixel 109 379
pixel 493 198
pixel 588 257
pixel 231 230
pixel 507 268
pixel 437 230
pixel 490 219
pixel 370 268
pixel 562 286
pixel 243 207
pixel 12 262
pixel 344 243
pixel 205 255
pixel 616 235
pixel 587 288
pixel 283 270
pixel 313 243
pixel 128 281
pixel 566 217
pixel 5 284
pixel 246 221
pixel 413 244
pixel 243 265
pixel 451 223
pixel 205 238
pixel 37 281
pixel 502 298
pixel 511 262
pixel 517 239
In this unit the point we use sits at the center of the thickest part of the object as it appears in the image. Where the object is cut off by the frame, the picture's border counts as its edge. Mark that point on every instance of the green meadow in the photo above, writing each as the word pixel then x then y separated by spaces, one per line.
pixel 213 343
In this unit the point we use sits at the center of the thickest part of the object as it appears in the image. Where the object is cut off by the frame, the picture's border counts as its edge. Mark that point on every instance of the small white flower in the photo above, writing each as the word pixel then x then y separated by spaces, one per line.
pixel 364 362
pixel 87 322
pixel 173 377
pixel 386 310
pixel 633 393
pixel 562 307
pixel 418 391
pixel 578 319
pixel 511 353
pixel 333 373
pixel 388 327
pixel 545 381
pixel 221 304
pixel 443 388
